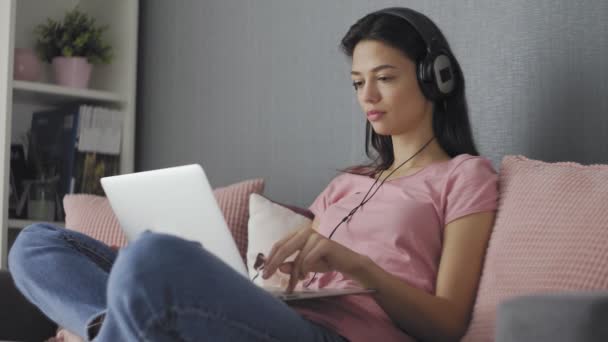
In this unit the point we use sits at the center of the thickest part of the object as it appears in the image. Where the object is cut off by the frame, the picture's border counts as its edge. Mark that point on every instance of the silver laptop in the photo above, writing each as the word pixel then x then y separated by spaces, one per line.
pixel 180 201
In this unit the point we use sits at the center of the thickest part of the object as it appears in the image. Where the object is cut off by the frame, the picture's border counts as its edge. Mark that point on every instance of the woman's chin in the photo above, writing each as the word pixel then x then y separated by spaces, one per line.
pixel 380 129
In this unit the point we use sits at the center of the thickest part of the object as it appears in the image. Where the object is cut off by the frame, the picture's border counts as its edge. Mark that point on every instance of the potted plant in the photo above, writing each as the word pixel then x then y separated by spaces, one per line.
pixel 72 47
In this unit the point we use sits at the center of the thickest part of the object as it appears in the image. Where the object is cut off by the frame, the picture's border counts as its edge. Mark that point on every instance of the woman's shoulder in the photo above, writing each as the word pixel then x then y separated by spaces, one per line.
pixel 462 166
pixel 469 162
pixel 470 166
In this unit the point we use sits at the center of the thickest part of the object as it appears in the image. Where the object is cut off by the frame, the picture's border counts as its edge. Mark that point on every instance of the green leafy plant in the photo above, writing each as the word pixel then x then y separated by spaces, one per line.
pixel 77 36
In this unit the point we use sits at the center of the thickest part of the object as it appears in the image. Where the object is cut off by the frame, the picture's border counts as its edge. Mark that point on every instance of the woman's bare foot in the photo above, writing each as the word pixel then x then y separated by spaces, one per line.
pixel 64 335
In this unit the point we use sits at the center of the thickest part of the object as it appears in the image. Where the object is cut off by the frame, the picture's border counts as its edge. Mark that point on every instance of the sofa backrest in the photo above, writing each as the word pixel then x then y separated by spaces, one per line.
pixel 550 235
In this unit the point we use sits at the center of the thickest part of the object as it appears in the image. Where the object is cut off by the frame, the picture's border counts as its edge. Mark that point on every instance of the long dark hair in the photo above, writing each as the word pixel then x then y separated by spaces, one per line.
pixel 451 125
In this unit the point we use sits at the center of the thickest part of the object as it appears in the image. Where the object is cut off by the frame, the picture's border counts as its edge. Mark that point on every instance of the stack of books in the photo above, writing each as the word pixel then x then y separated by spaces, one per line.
pixel 80 144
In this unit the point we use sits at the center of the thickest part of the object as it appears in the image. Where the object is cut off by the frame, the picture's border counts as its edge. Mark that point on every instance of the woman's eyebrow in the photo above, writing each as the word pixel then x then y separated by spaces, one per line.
pixel 378 68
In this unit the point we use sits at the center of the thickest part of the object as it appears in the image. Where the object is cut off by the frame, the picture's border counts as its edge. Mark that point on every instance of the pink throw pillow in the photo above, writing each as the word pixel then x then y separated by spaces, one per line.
pixel 93 215
pixel 234 202
pixel 550 235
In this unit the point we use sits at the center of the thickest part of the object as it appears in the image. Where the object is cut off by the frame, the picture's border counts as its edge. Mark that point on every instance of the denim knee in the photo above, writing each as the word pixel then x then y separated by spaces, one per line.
pixel 31 237
pixel 148 256
pixel 144 266
pixel 141 275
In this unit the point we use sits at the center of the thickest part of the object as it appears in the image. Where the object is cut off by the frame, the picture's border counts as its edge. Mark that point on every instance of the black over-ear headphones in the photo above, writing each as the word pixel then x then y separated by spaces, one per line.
pixel 435 71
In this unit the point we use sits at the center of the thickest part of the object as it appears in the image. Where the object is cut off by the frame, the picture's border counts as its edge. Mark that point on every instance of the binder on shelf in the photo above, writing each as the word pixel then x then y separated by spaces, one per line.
pixel 79 143
pixel 100 130
pixel 53 144
pixel 98 148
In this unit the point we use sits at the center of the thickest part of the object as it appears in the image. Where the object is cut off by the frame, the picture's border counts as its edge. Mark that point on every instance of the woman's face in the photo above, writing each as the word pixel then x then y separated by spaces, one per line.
pixel 387 89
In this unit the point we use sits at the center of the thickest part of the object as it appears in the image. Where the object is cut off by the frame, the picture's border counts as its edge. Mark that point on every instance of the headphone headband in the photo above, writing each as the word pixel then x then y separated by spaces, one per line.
pixel 435 71
pixel 432 38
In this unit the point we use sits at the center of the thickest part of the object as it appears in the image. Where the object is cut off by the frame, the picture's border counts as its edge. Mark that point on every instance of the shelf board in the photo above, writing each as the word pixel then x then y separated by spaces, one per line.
pixel 53 94
pixel 20 224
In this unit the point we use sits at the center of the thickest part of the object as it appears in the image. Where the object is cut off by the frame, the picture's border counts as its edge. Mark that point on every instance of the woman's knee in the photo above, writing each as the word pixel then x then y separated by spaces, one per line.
pixel 153 251
pixel 28 241
pixel 146 266
pixel 151 257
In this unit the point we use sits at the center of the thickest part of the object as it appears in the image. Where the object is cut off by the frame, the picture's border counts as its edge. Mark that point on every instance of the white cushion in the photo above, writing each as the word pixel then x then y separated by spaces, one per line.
pixel 268 223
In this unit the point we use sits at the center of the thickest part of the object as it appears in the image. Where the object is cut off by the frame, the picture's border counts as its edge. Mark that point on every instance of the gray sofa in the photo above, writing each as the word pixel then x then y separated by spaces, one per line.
pixel 20 320
pixel 562 317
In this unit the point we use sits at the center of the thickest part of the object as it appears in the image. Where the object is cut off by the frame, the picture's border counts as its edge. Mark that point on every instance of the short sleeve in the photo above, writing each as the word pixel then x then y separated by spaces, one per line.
pixel 324 199
pixel 472 187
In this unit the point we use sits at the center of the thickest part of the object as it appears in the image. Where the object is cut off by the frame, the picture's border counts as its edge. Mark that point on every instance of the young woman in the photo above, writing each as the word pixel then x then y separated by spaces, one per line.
pixel 413 225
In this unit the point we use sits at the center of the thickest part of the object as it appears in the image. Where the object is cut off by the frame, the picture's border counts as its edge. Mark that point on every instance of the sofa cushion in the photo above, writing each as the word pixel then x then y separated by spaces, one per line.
pixel 268 223
pixel 93 215
pixel 234 203
pixel 562 317
pixel 550 235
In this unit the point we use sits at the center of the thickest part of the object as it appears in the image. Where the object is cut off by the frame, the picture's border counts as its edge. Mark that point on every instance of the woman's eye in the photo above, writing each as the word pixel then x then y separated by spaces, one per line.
pixel 357 84
pixel 385 78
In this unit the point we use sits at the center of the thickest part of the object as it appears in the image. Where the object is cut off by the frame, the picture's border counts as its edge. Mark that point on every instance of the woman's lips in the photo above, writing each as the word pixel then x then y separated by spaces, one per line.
pixel 374 115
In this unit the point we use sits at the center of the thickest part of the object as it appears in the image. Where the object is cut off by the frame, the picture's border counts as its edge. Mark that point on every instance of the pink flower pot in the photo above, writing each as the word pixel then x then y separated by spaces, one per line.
pixel 72 72
pixel 26 65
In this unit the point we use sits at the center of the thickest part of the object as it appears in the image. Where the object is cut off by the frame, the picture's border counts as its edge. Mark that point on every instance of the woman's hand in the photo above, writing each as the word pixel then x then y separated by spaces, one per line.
pixel 64 335
pixel 316 254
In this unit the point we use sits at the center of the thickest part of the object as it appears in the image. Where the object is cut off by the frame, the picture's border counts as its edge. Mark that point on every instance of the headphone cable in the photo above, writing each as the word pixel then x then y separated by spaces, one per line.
pixel 366 199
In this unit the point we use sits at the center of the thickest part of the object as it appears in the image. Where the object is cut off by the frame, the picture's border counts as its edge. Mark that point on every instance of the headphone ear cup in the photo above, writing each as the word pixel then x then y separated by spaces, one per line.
pixel 442 70
pixel 424 71
pixel 436 76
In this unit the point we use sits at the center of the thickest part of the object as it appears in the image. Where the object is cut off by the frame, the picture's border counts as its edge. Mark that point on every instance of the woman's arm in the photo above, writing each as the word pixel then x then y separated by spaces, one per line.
pixel 444 316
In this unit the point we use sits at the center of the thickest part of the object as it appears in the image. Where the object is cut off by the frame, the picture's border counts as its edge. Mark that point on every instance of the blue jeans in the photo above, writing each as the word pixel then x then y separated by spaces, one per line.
pixel 159 288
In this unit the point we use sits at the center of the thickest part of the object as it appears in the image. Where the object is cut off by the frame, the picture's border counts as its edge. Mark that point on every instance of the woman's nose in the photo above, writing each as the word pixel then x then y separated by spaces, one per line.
pixel 370 93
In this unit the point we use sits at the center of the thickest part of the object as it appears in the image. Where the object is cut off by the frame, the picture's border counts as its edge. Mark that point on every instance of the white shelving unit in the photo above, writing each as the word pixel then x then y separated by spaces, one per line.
pixel 27 92
pixel 111 85
pixel 20 224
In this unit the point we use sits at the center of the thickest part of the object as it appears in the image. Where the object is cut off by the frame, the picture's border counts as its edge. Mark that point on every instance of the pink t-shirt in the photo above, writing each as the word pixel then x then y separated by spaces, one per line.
pixel 401 230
